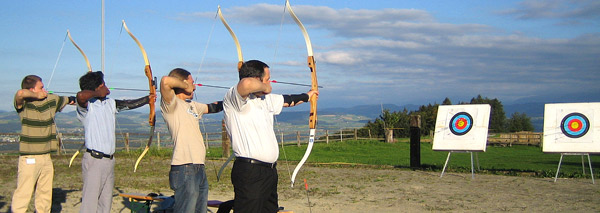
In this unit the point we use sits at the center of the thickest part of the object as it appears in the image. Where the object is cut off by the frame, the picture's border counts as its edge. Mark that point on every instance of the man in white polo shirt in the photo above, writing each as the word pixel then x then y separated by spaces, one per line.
pixel 249 108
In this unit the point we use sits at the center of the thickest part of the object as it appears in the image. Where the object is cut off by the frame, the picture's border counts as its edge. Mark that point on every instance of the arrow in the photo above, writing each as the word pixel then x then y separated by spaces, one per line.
pixel 297 84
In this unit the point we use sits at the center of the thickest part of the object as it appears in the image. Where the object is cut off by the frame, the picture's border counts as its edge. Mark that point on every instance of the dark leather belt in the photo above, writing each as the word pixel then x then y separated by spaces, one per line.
pixel 98 155
pixel 256 162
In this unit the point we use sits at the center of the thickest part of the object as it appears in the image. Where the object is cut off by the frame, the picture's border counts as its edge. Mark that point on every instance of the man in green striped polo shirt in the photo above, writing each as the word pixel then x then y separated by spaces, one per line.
pixel 36 109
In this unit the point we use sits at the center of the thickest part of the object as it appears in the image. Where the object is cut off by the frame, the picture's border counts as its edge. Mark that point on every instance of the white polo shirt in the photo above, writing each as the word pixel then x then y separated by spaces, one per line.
pixel 249 123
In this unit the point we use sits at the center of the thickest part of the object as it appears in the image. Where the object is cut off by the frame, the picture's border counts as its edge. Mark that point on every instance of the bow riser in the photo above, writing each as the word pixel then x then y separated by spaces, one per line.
pixel 152 85
pixel 312 118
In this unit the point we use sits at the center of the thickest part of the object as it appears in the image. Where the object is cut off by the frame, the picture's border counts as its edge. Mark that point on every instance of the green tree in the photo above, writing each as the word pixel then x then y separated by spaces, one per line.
pixel 399 121
pixel 428 116
pixel 447 101
pixel 519 122
pixel 497 116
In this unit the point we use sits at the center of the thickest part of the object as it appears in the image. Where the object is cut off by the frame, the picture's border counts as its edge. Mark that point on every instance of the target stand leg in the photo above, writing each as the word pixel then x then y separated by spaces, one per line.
pixel 582 164
pixel 558 170
pixel 472 168
pixel 591 172
pixel 446 164
pixel 477 160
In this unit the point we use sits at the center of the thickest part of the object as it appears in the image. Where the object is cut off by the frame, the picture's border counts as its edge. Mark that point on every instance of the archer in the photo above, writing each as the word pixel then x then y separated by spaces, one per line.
pixel 248 109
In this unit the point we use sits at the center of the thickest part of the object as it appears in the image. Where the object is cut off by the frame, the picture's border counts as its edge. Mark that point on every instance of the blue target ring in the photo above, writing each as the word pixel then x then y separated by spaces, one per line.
pixel 461 123
pixel 575 125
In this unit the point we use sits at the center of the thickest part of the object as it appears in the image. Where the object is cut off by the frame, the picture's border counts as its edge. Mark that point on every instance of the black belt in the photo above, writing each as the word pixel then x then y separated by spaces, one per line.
pixel 256 162
pixel 98 155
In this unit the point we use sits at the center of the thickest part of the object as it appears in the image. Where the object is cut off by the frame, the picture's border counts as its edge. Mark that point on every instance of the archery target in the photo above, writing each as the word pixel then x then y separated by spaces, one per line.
pixel 461 127
pixel 575 125
pixel 572 127
pixel 461 123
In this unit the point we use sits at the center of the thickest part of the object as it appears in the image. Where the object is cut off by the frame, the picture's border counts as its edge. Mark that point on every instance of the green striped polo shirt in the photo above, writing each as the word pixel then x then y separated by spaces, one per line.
pixel 38 130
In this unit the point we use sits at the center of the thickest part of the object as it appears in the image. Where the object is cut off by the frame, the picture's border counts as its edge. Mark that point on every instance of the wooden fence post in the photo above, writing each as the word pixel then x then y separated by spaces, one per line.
pixel 225 142
pixel 327 136
pixel 355 134
pixel 415 141
pixel 341 135
pixel 158 140
pixel 389 135
pixel 60 144
pixel 282 142
pixel 127 141
pixel 369 134
pixel 298 137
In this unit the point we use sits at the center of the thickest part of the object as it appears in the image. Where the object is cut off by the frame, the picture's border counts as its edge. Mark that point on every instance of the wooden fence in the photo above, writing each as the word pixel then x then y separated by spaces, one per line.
pixel 128 141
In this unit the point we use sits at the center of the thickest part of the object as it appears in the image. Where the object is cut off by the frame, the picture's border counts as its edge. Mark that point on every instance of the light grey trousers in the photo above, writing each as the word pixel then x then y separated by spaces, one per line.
pixel 98 183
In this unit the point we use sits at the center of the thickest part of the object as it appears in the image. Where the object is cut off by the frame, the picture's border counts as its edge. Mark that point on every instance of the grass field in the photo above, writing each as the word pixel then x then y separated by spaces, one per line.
pixel 352 175
pixel 514 160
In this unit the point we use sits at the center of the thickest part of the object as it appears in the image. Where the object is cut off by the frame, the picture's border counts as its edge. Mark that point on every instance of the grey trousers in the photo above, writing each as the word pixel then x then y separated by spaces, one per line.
pixel 98 183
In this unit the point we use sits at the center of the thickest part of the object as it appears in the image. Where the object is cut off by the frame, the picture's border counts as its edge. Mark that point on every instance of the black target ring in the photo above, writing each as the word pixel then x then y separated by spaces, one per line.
pixel 575 125
pixel 461 123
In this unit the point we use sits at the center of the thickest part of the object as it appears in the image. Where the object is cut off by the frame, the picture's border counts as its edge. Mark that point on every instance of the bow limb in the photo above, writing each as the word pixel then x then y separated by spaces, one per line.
pixel 240 62
pixel 87 61
pixel 223 166
pixel 152 85
pixel 312 120
pixel 235 39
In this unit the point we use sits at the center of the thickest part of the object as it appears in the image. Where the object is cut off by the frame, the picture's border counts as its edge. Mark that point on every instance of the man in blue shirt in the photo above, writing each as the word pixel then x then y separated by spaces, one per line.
pixel 97 113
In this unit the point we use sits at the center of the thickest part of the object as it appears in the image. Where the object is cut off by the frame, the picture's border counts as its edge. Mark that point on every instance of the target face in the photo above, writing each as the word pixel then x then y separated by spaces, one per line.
pixel 461 123
pixel 575 125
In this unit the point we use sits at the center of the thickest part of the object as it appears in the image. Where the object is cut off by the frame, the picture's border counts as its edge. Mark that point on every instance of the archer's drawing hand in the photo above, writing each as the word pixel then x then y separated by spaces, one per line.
pixel 102 91
pixel 41 94
pixel 191 87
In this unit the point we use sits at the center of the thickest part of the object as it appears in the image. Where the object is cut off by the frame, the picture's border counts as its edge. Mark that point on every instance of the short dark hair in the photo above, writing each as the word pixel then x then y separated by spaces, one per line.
pixel 30 81
pixel 179 73
pixel 91 80
pixel 253 68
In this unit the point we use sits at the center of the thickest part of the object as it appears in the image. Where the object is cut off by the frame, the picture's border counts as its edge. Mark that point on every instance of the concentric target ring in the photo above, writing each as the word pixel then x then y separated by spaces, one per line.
pixel 461 123
pixel 575 125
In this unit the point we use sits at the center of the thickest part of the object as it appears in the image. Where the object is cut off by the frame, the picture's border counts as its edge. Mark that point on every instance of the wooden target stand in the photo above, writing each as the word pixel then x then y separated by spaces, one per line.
pixel 582 164
pixel 472 167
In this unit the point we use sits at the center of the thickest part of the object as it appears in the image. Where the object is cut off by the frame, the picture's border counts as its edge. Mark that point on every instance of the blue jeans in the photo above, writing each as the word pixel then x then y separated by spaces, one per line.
pixel 191 187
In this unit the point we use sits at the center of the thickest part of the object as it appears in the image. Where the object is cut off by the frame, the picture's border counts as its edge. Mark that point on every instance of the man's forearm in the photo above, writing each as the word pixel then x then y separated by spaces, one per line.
pixel 84 95
pixel 132 103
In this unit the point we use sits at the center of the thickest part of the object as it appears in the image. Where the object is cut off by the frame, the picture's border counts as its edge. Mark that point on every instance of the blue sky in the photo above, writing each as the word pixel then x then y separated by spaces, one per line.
pixel 367 52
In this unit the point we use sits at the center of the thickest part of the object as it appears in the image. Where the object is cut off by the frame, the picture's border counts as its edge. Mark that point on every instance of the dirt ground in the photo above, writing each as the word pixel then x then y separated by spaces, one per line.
pixel 348 189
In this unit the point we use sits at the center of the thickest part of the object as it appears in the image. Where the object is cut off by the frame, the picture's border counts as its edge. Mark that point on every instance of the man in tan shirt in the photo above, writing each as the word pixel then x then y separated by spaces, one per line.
pixel 187 176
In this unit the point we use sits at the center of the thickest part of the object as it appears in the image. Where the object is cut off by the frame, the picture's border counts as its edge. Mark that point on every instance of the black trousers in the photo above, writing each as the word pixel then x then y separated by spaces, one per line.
pixel 255 188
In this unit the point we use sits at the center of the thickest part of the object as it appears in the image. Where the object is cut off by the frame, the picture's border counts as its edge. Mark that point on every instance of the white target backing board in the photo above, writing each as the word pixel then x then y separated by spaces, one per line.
pixel 461 127
pixel 572 128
